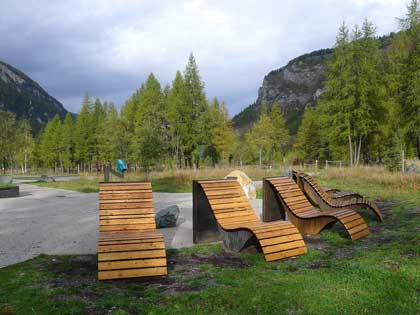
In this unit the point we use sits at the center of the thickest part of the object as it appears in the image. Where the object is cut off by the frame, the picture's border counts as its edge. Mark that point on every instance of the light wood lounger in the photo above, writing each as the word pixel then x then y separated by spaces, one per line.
pixel 129 245
pixel 283 196
pixel 327 202
pixel 222 205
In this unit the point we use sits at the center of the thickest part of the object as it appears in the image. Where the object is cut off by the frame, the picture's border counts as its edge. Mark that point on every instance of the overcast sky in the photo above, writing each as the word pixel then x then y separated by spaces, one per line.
pixel 108 48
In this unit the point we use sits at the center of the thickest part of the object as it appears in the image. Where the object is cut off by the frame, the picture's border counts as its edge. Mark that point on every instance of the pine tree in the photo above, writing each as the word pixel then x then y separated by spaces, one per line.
pixel 50 143
pixel 309 144
pixel 393 152
pixel 67 142
pixel 197 106
pixel 97 125
pixel 178 111
pixel 149 125
pixel 353 103
pixel 83 134
pixel 281 135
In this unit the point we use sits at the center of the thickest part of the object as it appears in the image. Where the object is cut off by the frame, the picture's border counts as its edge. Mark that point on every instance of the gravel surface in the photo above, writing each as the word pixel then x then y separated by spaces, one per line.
pixel 57 221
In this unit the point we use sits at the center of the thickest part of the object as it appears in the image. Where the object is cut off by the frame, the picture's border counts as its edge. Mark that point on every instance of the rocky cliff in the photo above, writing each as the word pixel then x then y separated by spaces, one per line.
pixel 294 86
pixel 26 98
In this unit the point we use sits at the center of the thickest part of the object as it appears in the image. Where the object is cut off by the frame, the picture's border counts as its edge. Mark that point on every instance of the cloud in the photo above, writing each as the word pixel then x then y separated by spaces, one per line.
pixel 109 47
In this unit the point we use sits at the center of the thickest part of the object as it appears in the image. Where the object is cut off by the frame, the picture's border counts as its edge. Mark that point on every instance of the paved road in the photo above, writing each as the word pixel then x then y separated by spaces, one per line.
pixel 56 221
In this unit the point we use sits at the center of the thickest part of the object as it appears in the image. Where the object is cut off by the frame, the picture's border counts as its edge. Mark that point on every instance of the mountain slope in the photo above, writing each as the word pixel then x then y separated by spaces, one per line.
pixel 21 95
pixel 294 86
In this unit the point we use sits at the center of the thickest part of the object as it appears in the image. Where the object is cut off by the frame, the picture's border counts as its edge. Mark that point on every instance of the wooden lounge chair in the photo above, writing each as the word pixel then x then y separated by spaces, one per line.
pixel 220 206
pixel 327 202
pixel 283 196
pixel 129 245
pixel 335 193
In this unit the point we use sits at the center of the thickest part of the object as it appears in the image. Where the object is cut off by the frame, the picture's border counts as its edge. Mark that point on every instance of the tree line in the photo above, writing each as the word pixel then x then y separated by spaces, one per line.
pixel 370 111
pixel 173 126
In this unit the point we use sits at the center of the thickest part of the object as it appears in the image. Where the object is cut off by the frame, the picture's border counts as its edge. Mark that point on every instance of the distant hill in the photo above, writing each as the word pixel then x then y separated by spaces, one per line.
pixel 21 95
pixel 295 86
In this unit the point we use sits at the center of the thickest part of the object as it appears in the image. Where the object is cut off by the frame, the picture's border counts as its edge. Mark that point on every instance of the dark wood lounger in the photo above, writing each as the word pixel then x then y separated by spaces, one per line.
pixel 283 196
pixel 326 201
pixel 222 204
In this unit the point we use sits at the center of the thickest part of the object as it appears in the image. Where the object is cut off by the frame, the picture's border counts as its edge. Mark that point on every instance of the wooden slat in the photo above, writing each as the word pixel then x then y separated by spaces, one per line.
pixel 132 273
pixel 132 255
pixel 132 264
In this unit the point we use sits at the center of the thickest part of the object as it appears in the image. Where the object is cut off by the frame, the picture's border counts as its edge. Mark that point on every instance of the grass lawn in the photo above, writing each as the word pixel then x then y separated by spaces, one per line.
pixel 177 181
pixel 379 274
pixel 7 185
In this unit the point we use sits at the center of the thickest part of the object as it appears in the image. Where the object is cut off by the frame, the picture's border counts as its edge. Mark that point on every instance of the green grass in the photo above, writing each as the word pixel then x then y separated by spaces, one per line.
pixel 7 185
pixel 378 274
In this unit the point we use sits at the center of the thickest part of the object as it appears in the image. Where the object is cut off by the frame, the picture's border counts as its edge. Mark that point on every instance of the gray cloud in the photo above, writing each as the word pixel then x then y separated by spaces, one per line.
pixel 109 47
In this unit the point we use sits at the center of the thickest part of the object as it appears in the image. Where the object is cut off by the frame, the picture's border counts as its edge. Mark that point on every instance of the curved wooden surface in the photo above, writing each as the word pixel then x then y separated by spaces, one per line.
pixel 232 210
pixel 129 245
pixel 333 192
pixel 327 202
pixel 309 220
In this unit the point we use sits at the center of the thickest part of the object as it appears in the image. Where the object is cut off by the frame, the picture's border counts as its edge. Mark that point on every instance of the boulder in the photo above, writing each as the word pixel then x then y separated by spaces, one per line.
pixel 5 179
pixel 46 178
pixel 167 217
pixel 245 182
pixel 412 168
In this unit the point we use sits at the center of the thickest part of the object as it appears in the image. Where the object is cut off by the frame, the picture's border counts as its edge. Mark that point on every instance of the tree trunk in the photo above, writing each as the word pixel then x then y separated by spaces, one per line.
pixel 418 146
pixel 260 158
pixel 351 151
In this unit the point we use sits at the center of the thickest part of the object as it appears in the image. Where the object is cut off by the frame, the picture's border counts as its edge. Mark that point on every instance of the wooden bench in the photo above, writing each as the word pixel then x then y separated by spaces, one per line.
pixel 129 245
pixel 282 196
pixel 327 201
pixel 221 206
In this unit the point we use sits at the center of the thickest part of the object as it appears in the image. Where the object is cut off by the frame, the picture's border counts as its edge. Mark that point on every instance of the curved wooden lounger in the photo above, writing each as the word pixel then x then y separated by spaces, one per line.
pixel 129 245
pixel 335 193
pixel 325 201
pixel 283 196
pixel 222 204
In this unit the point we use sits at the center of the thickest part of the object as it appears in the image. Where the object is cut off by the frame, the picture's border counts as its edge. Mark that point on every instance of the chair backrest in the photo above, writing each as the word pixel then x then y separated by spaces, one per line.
pixel 126 206
pixel 291 195
pixel 228 202
pixel 313 183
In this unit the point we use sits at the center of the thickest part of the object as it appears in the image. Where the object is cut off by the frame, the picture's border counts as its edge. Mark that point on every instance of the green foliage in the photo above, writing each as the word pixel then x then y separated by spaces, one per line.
pixel 261 136
pixel 11 139
pixel 309 145
pixel 280 132
pixel 393 153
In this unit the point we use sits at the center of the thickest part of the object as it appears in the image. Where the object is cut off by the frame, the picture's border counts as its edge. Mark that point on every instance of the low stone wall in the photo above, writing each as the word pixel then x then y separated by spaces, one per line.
pixel 9 192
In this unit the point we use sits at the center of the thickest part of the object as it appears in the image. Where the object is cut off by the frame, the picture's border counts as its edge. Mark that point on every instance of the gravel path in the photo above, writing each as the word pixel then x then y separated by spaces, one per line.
pixel 57 221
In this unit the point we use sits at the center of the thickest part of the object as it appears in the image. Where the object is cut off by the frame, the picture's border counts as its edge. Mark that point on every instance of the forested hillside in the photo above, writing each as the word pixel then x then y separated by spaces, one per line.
pixel 24 97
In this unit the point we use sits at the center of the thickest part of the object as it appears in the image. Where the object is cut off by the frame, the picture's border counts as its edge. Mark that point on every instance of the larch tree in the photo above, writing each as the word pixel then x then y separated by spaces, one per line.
pixel 67 142
pixel 197 106
pixel 261 135
pixel 281 135
pixel 83 134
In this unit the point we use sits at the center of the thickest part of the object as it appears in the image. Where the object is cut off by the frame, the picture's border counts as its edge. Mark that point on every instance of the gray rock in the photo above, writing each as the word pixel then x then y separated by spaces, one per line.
pixel 46 178
pixel 237 240
pixel 412 168
pixel 5 179
pixel 167 217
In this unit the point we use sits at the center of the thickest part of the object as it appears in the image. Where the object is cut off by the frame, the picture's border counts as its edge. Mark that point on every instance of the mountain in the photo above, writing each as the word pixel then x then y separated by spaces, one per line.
pixel 21 95
pixel 294 86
